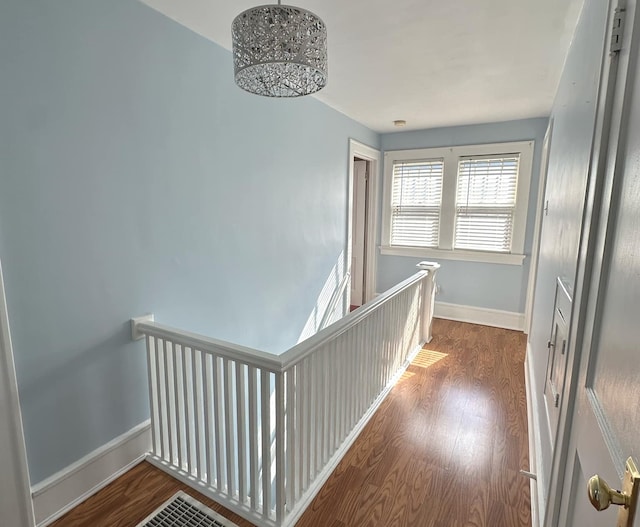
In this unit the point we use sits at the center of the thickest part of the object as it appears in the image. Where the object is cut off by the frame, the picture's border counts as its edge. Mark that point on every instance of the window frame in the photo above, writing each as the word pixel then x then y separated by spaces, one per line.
pixel 451 156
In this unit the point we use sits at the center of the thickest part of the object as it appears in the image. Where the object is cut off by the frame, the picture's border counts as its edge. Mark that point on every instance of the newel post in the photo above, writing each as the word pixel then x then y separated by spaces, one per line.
pixel 428 297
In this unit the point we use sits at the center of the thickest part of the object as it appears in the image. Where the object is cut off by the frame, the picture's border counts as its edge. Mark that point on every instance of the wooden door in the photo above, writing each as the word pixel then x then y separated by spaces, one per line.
pixel 602 427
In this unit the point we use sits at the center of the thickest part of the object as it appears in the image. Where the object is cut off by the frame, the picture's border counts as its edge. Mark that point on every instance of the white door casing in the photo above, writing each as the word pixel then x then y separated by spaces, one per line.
pixel 601 424
pixel 359 150
pixel 359 231
pixel 540 212
pixel 16 507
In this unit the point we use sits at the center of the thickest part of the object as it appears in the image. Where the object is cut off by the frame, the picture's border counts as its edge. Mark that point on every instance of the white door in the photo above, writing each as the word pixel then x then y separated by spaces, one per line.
pixel 359 234
pixel 603 429
pixel 16 509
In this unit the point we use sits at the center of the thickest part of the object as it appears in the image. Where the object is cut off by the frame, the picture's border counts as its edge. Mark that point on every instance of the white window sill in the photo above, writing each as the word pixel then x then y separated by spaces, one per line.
pixel 467 256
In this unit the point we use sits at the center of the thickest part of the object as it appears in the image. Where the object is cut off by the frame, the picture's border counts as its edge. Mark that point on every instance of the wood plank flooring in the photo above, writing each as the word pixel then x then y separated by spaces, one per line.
pixel 443 450
pixel 131 498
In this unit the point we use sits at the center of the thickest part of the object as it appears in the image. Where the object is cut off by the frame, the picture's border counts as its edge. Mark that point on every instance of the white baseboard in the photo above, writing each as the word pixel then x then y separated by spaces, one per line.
pixel 61 492
pixel 538 498
pixel 480 315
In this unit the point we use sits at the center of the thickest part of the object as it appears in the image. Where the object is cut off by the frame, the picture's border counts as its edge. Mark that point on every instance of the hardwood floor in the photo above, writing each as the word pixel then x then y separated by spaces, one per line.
pixel 443 450
pixel 131 498
pixel 446 446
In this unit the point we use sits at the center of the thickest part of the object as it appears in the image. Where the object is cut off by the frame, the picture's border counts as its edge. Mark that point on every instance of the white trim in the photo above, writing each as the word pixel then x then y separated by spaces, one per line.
pixel 15 501
pixel 373 156
pixel 66 489
pixel 538 498
pixel 451 156
pixel 537 228
pixel 449 254
pixel 480 315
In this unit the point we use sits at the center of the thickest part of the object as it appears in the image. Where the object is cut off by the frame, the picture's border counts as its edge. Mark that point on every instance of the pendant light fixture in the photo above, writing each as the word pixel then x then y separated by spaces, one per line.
pixel 279 51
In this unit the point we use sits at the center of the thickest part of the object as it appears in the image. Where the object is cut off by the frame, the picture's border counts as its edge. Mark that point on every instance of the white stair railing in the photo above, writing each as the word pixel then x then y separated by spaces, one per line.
pixel 261 433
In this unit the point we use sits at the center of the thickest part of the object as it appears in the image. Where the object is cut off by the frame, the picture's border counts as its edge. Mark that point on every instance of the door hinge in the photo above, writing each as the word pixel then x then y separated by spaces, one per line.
pixel 550 344
pixel 618 30
pixel 556 400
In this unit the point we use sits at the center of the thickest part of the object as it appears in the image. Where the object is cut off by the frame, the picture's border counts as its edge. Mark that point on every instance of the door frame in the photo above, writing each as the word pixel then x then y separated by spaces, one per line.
pixel 591 264
pixel 13 456
pixel 535 249
pixel 372 156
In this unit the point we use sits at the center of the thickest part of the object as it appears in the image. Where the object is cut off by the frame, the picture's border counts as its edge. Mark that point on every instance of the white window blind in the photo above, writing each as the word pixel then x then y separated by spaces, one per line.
pixel 416 197
pixel 486 203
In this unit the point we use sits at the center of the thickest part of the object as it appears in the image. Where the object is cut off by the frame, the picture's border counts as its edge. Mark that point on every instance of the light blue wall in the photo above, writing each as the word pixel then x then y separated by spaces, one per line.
pixel 476 284
pixel 573 117
pixel 135 177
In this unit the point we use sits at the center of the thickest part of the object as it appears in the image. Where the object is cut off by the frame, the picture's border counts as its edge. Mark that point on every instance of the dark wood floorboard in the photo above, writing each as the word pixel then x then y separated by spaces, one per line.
pixel 444 449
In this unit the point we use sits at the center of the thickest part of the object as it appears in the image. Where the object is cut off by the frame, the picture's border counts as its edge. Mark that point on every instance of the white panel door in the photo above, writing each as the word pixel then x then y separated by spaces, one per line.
pixel 359 234
pixel 604 427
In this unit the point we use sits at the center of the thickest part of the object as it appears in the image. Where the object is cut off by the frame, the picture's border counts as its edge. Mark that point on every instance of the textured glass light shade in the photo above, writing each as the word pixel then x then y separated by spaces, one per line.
pixel 279 51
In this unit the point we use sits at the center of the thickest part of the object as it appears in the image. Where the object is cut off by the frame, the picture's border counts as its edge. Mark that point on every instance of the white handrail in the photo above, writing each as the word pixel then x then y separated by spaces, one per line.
pixel 228 350
pixel 300 351
pixel 270 361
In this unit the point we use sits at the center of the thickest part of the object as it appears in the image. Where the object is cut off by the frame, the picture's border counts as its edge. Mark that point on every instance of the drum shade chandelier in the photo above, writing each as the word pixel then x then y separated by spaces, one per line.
pixel 279 51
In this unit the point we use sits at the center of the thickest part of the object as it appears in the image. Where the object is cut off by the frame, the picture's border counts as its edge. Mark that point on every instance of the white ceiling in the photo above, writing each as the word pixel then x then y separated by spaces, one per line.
pixel 431 62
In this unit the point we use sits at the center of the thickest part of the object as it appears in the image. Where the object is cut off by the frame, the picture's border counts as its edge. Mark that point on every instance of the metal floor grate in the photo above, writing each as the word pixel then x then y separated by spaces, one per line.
pixel 181 510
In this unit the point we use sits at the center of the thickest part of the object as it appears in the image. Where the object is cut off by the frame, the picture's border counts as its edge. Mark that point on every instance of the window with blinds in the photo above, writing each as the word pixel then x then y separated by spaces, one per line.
pixel 416 197
pixel 465 202
pixel 486 203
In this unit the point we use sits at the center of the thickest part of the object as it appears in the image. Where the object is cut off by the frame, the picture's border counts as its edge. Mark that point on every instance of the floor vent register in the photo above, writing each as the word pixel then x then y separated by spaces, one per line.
pixel 181 510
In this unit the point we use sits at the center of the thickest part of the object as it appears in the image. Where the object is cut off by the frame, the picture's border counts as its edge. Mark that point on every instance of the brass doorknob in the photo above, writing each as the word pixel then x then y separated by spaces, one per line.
pixel 602 495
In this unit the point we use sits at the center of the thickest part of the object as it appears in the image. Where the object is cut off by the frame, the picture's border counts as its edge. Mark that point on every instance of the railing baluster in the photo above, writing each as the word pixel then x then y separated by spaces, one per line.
pixel 228 426
pixel 357 331
pixel 206 385
pixel 161 397
pixel 218 419
pixel 366 374
pixel 198 408
pixel 171 407
pixel 315 415
pixel 301 429
pixel 353 367
pixel 333 444
pixel 379 350
pixel 340 379
pixel 153 392
pixel 176 396
pixel 280 448
pixel 328 398
pixel 254 490
pixel 189 418
pixel 291 427
pixel 241 401
pixel 389 341
pixel 322 371
pixel 310 420
pixel 265 403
